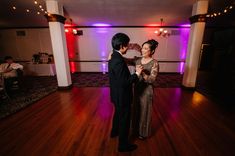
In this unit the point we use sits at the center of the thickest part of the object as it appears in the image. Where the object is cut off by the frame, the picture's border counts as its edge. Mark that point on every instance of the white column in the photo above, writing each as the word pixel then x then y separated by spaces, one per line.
pixel 59 45
pixel 194 45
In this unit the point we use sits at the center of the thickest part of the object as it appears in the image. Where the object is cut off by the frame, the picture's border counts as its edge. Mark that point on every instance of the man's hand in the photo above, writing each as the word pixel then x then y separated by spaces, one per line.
pixel 139 69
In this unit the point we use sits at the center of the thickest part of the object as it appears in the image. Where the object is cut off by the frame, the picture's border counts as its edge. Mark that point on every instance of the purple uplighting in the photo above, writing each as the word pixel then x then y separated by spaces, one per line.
pixel 176 96
pixel 184 39
pixel 103 67
pixel 101 25
pixel 104 64
pixel 102 40
pixel 102 30
pixel 105 109
pixel 185 25
pixel 181 67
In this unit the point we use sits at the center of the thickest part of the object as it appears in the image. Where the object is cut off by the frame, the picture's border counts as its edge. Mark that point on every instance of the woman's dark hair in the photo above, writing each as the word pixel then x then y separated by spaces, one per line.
pixel 120 39
pixel 153 44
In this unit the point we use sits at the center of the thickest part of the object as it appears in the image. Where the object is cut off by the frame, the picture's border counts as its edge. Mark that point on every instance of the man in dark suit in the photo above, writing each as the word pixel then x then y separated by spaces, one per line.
pixel 121 81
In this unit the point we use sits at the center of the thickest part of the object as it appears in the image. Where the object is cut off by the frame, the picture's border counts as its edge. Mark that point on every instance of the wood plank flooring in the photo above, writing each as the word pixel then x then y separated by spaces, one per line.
pixel 78 122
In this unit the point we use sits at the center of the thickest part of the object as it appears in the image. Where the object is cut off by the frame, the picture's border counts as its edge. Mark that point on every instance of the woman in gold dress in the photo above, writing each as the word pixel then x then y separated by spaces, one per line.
pixel 143 90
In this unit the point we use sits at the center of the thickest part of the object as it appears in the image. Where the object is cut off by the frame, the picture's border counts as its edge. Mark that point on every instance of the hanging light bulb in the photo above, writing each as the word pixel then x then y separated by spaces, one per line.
pixel 162 32
pixel 75 31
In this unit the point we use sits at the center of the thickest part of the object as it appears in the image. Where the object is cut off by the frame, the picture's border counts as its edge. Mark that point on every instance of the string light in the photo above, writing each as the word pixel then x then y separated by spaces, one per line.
pixel 37 11
pixel 223 11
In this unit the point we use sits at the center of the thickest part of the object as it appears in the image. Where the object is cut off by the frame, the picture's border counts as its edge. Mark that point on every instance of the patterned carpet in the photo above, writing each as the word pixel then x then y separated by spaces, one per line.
pixel 36 88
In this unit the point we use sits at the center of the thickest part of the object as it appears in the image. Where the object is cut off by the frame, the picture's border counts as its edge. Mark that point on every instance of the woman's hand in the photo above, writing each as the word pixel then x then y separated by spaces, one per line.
pixel 145 76
pixel 139 69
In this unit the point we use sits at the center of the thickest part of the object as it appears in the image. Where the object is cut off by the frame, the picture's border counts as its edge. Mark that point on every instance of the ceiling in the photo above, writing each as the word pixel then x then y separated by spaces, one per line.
pixel 113 12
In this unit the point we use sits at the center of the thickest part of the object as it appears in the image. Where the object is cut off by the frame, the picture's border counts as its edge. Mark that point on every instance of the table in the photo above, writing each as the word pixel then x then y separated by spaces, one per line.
pixel 39 69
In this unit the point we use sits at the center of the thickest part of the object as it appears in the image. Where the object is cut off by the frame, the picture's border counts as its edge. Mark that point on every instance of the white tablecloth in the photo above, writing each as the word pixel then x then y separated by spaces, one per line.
pixel 40 69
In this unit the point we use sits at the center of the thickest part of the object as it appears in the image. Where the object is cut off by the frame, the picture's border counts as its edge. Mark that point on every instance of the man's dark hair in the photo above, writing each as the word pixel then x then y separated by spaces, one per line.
pixel 8 58
pixel 120 39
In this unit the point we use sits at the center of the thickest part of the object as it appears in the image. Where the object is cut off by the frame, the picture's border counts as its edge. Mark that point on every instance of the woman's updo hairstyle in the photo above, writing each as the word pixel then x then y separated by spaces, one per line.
pixel 153 44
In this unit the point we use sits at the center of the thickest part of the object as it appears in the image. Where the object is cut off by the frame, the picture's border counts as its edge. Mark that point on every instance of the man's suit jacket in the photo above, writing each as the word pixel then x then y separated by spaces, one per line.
pixel 120 81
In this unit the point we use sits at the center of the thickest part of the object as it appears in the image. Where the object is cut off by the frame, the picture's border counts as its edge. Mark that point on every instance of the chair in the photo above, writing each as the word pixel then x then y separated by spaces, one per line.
pixel 19 80
pixel 3 92
pixel 16 82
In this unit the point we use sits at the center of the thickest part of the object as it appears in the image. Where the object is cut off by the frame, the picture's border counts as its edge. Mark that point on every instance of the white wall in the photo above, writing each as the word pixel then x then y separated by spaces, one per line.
pixel 23 47
pixel 95 44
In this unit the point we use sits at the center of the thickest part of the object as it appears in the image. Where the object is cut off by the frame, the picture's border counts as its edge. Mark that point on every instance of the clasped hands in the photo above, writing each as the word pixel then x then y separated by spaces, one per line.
pixel 139 70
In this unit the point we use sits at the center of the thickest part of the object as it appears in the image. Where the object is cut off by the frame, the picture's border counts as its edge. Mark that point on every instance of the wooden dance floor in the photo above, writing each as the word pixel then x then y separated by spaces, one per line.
pixel 78 122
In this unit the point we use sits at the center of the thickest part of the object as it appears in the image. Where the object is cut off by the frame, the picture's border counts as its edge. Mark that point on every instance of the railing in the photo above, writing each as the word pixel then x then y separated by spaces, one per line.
pixel 160 61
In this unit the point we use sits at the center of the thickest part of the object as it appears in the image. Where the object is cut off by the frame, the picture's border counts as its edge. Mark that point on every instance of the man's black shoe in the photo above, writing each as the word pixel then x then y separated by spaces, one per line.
pixel 128 148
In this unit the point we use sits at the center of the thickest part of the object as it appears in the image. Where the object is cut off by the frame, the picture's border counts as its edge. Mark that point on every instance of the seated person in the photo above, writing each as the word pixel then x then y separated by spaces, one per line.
pixel 9 71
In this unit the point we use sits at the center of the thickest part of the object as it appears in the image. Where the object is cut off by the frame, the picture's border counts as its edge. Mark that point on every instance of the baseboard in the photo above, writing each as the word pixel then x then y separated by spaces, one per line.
pixel 65 87
pixel 171 73
pixel 162 73
pixel 188 88
pixel 89 72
